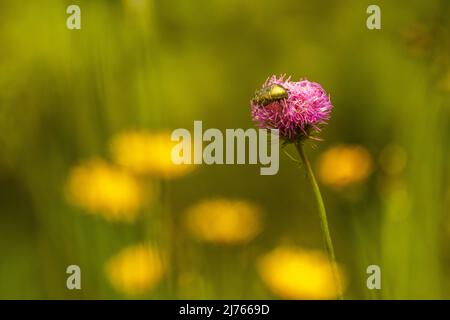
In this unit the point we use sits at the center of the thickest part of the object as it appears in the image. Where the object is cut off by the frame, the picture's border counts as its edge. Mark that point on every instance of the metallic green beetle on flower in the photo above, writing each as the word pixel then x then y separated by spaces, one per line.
pixel 270 94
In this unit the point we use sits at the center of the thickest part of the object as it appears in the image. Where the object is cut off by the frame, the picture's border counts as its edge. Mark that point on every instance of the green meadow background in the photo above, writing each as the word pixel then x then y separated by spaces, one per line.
pixel 155 65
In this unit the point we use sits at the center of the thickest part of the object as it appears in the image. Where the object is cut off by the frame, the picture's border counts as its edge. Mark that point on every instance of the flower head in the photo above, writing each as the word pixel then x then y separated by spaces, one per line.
pixel 345 165
pixel 296 109
pixel 104 189
pixel 147 153
pixel 294 273
pixel 224 221
pixel 135 269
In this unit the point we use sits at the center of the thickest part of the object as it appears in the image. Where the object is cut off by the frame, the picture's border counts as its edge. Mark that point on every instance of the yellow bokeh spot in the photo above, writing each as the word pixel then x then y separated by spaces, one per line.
pixel 294 273
pixel 345 165
pixel 135 270
pixel 224 221
pixel 103 189
pixel 147 153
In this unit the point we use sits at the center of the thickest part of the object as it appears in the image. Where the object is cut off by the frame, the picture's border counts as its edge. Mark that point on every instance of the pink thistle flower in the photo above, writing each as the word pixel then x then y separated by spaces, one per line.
pixel 296 109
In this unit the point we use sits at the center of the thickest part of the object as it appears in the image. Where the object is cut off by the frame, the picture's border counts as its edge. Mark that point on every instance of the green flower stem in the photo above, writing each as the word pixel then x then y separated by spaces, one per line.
pixel 323 219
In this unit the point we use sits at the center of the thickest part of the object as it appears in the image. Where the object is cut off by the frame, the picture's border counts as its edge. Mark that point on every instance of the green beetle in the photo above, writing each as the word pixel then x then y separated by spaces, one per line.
pixel 269 94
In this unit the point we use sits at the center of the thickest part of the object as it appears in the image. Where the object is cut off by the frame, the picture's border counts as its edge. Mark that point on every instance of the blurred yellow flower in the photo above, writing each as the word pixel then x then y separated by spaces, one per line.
pixel 103 189
pixel 294 273
pixel 224 221
pixel 136 269
pixel 147 153
pixel 345 165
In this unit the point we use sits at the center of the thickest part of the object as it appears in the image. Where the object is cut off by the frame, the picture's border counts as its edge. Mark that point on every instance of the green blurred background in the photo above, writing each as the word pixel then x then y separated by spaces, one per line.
pixel 154 65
